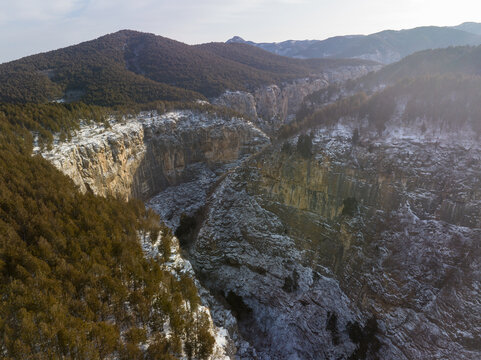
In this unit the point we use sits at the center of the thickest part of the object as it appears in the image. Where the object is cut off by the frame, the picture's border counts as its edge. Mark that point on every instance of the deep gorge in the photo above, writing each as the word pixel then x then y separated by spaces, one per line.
pixel 275 245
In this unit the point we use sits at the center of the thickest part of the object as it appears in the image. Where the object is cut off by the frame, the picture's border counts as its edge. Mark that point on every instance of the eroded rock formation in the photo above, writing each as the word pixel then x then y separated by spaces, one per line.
pixel 366 249
pixel 273 105
pixel 141 156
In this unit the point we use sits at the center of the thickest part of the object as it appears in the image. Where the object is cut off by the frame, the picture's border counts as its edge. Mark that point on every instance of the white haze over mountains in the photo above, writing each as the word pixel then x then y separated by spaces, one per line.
pixel 31 26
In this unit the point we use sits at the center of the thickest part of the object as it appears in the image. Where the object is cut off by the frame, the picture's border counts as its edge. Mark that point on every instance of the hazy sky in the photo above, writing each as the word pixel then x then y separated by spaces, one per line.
pixel 31 26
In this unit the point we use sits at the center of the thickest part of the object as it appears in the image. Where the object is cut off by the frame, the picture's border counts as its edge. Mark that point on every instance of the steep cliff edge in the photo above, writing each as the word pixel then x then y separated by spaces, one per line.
pixel 140 156
pixel 365 250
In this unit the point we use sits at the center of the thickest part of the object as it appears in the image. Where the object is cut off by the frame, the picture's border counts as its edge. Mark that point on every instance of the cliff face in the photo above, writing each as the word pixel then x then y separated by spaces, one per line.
pixel 433 176
pixel 385 229
pixel 183 139
pixel 146 154
pixel 273 105
pixel 149 153
pixel 101 160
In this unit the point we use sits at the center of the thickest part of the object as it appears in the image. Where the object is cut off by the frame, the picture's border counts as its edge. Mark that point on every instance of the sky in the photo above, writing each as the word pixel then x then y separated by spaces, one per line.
pixel 31 26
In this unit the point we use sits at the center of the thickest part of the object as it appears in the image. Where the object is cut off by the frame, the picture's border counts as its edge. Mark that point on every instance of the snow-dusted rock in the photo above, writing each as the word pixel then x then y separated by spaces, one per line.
pixel 142 155
pixel 103 160
pixel 240 101
pixel 275 240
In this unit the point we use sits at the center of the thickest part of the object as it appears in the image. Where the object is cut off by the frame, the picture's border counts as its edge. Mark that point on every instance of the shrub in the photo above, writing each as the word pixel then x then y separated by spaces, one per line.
pixel 350 206
pixel 304 146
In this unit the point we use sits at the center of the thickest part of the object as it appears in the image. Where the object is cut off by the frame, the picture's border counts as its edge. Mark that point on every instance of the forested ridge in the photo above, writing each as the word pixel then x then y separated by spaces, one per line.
pixel 134 67
pixel 441 85
pixel 460 60
pixel 458 63
pixel 447 100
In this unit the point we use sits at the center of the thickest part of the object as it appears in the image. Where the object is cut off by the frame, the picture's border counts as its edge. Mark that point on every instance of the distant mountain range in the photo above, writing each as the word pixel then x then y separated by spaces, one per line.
pixel 385 47
pixel 135 67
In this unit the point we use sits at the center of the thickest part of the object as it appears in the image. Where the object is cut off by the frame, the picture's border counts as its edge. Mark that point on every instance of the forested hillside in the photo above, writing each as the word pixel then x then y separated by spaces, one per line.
pixel 462 60
pixel 74 281
pixel 133 67
pixel 449 100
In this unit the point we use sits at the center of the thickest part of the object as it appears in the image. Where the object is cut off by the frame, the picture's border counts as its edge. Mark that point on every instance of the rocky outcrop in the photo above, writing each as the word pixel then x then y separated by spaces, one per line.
pixel 101 160
pixel 273 105
pixel 383 234
pixel 142 155
pixel 240 101
pixel 181 140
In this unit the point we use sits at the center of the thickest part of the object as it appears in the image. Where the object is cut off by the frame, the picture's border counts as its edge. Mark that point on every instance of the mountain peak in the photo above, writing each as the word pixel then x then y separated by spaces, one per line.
pixel 236 39
pixel 471 27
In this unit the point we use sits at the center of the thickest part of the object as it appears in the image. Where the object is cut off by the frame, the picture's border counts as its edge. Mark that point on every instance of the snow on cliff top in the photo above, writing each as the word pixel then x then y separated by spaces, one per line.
pixel 97 134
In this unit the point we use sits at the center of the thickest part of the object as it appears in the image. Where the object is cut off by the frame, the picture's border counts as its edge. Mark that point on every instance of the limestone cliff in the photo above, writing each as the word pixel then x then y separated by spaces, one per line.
pixel 273 105
pixel 103 160
pixel 140 156
pixel 240 101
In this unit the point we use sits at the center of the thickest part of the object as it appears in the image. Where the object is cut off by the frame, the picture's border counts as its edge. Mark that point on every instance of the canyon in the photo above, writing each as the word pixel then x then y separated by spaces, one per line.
pixel 365 249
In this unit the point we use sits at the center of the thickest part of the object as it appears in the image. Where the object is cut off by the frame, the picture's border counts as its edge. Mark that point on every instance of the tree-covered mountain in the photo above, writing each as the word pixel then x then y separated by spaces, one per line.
pixel 385 46
pixel 135 67
pixel 462 60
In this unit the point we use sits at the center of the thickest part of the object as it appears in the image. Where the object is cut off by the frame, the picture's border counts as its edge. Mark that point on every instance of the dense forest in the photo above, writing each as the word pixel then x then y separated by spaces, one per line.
pixel 74 281
pixel 132 67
